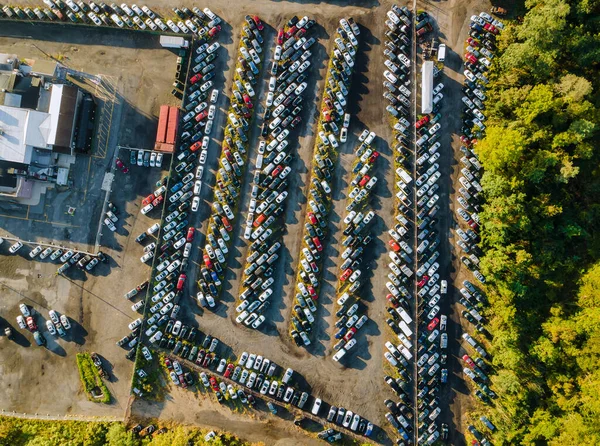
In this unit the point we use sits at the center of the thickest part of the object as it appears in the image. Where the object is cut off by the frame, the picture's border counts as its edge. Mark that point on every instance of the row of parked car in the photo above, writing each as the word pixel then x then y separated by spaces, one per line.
pixel 232 162
pixel 174 242
pixel 332 130
pixel 265 219
pixel 67 257
pixel 397 93
pixel 432 358
pixel 251 371
pixel 480 46
pixel 356 230
pixel 432 343
pixel 203 23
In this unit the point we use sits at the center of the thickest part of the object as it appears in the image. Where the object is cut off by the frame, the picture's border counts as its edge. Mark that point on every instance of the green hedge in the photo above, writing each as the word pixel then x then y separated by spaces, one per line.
pixel 90 378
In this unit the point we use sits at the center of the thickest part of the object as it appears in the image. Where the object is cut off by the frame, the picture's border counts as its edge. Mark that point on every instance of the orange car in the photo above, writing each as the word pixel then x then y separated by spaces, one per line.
pixel 395 246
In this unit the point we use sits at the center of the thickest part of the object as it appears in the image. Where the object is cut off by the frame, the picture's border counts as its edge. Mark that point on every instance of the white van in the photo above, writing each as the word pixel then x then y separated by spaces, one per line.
pixel 339 355
pixel 441 56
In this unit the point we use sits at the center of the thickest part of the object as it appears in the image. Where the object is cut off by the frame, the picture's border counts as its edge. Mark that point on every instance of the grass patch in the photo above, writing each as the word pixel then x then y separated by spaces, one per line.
pixel 90 378
pixel 152 385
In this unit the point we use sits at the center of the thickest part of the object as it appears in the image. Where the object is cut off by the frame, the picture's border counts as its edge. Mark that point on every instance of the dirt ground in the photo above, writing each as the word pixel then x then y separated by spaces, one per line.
pixel 46 381
pixel 358 385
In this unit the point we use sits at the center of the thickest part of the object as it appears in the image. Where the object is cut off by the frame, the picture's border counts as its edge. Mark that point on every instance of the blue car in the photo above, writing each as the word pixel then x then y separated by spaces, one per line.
pixel 341 333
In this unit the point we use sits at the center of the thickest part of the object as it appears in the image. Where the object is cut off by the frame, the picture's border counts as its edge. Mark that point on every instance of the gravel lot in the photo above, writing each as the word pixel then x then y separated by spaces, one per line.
pixel 93 301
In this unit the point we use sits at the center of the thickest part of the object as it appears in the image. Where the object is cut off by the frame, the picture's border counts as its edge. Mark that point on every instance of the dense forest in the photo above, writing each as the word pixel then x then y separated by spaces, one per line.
pixel 541 156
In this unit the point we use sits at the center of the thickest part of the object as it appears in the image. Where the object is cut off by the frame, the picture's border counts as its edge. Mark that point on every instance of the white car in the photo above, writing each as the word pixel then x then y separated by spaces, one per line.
pixel 277 54
pixel 65 322
pixel 24 310
pixel 51 328
pixel 195 204
pixel 269 100
pixel 173 27
pixel 35 252
pixel 14 248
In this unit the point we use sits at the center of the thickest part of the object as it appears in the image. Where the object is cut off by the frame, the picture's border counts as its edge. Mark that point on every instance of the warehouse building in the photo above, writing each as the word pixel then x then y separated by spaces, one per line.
pixel 40 129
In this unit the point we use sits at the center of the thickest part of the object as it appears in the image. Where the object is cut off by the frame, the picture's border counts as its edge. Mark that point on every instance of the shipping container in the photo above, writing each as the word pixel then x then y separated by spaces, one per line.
pixel 163 117
pixel 172 125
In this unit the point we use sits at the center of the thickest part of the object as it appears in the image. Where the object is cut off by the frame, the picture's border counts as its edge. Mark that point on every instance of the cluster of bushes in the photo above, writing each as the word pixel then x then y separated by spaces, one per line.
pixel 542 192
pixel 22 432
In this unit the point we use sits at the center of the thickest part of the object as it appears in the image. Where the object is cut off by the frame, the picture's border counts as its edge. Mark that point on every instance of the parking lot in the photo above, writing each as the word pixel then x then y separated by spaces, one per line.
pixel 94 299
pixel 46 380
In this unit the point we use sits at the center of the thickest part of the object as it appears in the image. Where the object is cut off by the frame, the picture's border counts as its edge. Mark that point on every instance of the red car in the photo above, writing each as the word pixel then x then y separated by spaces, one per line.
pixel 466 141
pixel 228 155
pixel 190 234
pixel 181 282
pixel 214 30
pixel 31 324
pixel 347 273
pixel 182 381
pixel 471 58
pixel 300 34
pixel 395 246
pixel 226 224
pixel 392 300
pixel 421 283
pixel 213 383
pixel 228 370
pixel 373 157
pixel 168 364
pixel 312 218
pixel 317 243
pixel 121 166
pixel 280 37
pixel 468 360
pixel 195 78
pixel 158 200
pixel 202 115
pixel 421 122
pixel 312 291
pixel 491 28
pixel 350 334
pixel 207 261
pixel 473 224
pixel 259 24
pixel 247 100
pixel 196 146
pixel 364 180
pixel 276 171
pixel 291 32
pixel 474 43
pixel 149 199
pixel 433 323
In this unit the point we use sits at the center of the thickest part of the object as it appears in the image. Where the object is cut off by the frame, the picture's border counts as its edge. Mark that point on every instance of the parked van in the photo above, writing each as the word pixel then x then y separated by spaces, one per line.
pixel 441 56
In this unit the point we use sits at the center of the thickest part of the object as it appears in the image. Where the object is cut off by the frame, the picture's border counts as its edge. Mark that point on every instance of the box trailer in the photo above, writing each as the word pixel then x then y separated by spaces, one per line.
pixel 427 87
pixel 173 42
